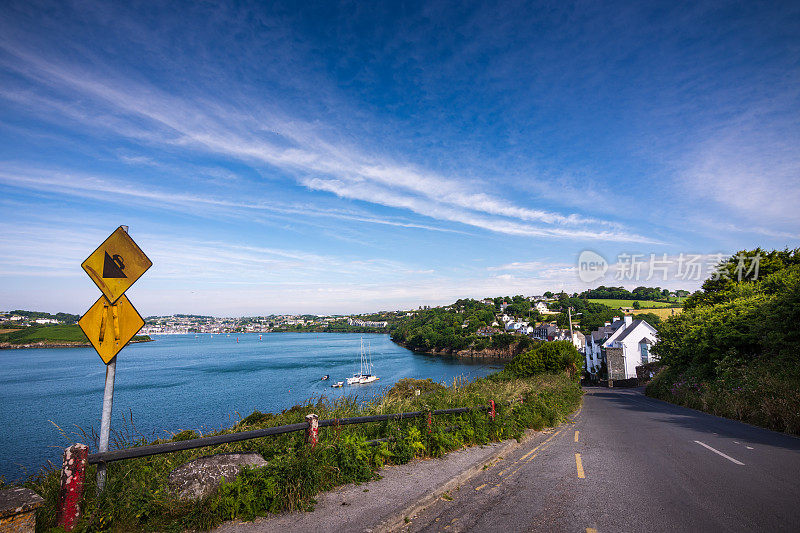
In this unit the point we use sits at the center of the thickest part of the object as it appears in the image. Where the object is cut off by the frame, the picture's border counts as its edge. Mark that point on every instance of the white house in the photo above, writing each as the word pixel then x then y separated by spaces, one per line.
pixel 517 326
pixel 579 340
pixel 629 347
pixel 594 344
pixel 541 307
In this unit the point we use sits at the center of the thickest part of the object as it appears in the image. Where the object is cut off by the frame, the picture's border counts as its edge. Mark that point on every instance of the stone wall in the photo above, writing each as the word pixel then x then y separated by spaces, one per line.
pixel 616 363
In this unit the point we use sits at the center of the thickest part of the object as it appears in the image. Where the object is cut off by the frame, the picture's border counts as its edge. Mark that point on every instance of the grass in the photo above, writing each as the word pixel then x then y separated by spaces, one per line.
pixel 763 394
pixel 51 334
pixel 137 497
pixel 662 312
pixel 646 304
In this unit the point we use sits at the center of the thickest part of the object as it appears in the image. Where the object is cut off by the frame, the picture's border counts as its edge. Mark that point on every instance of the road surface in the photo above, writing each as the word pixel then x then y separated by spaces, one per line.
pixel 630 463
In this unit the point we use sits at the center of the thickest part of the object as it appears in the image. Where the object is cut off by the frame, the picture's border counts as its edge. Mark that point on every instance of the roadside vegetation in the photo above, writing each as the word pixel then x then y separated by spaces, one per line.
pixel 58 334
pixel 735 349
pixel 137 496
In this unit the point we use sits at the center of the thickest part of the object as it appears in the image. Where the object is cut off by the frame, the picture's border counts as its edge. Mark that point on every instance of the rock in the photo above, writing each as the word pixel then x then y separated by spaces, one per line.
pixel 18 510
pixel 199 478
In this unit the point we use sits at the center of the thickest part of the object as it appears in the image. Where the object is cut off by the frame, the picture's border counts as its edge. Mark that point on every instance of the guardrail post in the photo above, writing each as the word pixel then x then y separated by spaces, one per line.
pixel 73 474
pixel 492 410
pixel 312 432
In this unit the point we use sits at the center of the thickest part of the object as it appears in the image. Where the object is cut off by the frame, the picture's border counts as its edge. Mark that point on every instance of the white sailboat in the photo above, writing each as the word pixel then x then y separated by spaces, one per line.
pixel 365 374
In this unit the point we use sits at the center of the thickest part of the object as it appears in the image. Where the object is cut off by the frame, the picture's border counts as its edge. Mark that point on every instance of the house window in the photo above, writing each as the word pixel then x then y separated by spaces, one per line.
pixel 645 353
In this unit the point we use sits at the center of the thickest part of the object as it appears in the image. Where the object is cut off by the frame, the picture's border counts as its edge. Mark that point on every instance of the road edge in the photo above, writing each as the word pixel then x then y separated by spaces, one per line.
pixel 397 519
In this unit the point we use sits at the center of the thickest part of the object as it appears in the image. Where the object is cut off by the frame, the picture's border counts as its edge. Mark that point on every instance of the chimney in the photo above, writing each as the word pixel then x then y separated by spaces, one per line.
pixel 628 320
pixel 608 323
pixel 616 318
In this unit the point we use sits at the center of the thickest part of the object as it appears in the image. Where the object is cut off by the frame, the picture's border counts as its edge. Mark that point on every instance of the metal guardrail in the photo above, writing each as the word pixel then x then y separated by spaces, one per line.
pixel 202 442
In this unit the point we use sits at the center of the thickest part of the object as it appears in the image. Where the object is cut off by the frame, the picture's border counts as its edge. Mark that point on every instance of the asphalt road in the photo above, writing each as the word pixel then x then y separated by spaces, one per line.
pixel 630 463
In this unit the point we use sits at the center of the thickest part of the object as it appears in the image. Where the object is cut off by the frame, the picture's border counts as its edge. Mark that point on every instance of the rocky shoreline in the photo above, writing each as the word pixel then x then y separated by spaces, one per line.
pixel 61 344
pixel 505 354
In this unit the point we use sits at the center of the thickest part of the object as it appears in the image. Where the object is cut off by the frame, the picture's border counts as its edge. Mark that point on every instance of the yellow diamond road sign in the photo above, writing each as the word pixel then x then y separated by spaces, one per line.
pixel 116 264
pixel 109 327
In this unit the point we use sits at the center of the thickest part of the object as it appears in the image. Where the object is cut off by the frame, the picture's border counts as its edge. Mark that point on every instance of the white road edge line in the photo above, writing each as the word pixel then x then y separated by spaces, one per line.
pixel 728 457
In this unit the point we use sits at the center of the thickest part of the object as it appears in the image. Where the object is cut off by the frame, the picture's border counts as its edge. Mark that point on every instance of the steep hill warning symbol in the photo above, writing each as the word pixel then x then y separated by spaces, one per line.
pixel 116 264
pixel 113 266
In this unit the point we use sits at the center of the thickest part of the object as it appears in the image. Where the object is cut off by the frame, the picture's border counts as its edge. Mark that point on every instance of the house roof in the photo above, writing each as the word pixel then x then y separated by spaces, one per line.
pixel 630 328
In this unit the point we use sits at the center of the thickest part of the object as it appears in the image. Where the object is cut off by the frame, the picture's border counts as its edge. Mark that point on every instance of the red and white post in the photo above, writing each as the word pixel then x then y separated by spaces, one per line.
pixel 73 475
pixel 312 431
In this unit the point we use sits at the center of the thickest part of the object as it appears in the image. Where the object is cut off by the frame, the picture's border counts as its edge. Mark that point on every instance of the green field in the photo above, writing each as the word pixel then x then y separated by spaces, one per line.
pixel 646 304
pixel 54 334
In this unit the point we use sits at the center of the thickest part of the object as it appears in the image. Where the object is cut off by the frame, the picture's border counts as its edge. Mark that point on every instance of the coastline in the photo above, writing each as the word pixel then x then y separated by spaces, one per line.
pixel 505 354
pixel 57 344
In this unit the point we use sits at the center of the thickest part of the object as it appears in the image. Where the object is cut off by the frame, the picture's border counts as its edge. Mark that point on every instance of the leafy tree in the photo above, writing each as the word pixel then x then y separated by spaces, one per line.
pixel 738 322
pixel 557 356
pixel 637 305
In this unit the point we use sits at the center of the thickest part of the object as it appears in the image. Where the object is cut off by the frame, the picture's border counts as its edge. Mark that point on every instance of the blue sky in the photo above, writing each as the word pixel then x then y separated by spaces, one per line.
pixel 349 157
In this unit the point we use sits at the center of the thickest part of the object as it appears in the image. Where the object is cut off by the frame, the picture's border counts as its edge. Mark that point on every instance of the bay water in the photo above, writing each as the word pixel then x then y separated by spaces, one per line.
pixel 178 382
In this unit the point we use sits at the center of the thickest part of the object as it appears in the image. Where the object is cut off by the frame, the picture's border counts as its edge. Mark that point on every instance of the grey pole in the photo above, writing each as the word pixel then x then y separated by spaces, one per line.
pixel 105 421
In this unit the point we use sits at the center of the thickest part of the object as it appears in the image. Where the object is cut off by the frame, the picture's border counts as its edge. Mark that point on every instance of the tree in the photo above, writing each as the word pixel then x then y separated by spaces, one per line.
pixel 548 294
pixel 637 305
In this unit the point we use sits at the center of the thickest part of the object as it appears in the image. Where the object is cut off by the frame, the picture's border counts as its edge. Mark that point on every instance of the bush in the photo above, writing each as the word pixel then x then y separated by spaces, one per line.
pixel 557 356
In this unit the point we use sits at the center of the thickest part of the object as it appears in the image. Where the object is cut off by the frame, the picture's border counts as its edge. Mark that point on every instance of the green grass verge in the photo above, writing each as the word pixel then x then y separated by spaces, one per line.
pixel 645 304
pixel 137 497
pixel 53 334
pixel 763 394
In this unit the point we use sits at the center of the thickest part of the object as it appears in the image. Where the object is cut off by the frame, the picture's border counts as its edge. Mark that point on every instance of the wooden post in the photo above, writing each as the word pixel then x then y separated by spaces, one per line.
pixel 73 474
pixel 312 431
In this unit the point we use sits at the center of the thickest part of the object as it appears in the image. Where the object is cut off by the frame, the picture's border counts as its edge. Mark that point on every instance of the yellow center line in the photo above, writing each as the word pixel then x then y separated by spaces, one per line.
pixel 576 435
pixel 579 463
pixel 591 530
pixel 479 487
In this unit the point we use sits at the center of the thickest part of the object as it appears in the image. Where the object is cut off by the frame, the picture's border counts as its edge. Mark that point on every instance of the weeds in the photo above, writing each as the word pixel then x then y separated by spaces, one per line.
pixel 766 394
pixel 137 496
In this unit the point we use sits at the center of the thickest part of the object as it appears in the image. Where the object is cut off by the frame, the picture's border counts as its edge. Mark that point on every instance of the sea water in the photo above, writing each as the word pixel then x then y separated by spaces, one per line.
pixel 178 382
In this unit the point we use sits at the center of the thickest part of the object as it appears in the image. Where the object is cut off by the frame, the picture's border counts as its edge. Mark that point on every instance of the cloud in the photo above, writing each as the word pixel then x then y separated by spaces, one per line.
pixel 296 148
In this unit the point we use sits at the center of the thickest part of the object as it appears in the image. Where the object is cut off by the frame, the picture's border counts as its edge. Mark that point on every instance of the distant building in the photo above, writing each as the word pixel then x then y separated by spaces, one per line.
pixel 629 347
pixel 366 323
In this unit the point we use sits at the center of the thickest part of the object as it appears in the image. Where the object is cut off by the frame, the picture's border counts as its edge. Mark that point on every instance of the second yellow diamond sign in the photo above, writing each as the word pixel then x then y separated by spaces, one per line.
pixel 109 327
pixel 116 264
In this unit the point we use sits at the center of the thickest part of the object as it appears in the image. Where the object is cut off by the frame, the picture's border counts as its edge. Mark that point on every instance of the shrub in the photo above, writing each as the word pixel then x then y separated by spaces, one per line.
pixel 557 356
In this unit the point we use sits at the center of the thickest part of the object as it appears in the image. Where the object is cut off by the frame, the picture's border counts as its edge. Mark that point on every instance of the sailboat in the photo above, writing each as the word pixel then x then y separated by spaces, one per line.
pixel 365 372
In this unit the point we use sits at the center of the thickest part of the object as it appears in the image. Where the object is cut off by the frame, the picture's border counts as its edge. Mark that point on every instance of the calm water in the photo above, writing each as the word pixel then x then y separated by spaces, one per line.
pixel 182 382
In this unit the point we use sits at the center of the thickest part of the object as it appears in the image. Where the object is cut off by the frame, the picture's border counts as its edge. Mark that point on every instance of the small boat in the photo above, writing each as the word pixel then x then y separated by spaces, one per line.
pixel 259 337
pixel 338 385
pixel 326 376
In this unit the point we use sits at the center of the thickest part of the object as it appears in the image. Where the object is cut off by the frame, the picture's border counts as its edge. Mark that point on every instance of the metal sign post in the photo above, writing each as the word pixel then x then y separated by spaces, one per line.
pixel 112 321
pixel 105 421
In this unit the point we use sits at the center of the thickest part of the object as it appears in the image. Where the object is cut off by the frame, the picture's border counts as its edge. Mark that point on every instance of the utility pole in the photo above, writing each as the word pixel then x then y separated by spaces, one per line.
pixel 569 314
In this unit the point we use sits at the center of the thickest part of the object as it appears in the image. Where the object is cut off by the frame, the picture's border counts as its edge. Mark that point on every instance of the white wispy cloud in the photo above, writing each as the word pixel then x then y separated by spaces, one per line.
pixel 317 162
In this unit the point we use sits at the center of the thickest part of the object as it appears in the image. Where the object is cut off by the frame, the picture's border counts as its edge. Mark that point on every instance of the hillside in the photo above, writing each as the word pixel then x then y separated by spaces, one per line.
pixel 50 336
pixel 453 330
